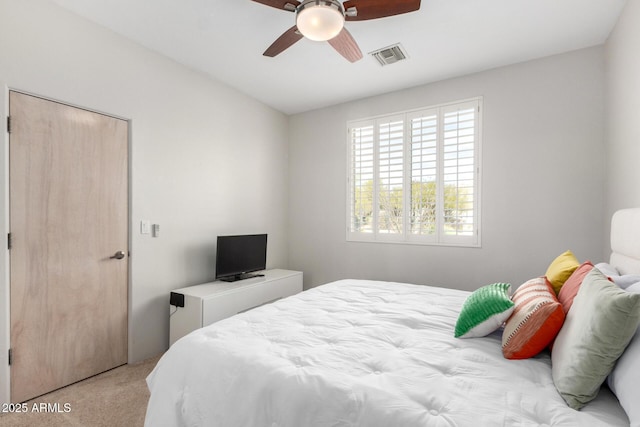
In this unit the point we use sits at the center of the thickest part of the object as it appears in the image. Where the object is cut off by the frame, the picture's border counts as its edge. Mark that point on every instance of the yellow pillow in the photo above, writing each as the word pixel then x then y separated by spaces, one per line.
pixel 560 269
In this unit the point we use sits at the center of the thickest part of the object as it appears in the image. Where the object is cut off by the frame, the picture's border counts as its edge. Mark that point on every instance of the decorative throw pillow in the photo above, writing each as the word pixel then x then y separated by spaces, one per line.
pixel 597 329
pixel 622 280
pixel 535 322
pixel 570 288
pixel 625 377
pixel 626 280
pixel 560 269
pixel 607 269
pixel 484 311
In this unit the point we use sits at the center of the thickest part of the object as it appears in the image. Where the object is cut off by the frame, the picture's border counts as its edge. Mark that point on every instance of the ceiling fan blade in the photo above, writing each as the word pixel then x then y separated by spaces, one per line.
pixel 280 4
pixel 285 41
pixel 346 46
pixel 372 9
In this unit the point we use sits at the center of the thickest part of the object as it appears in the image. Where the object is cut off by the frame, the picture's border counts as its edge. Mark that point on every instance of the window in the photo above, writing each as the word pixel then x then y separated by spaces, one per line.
pixel 414 177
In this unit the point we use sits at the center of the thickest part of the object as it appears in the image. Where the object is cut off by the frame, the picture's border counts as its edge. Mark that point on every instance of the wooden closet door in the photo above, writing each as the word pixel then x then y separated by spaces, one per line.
pixel 68 218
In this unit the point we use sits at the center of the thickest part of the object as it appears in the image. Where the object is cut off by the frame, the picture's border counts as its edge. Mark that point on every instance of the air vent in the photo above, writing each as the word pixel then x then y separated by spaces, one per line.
pixel 390 54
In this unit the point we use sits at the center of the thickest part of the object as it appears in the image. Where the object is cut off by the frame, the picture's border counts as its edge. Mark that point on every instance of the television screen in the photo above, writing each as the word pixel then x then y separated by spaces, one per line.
pixel 237 256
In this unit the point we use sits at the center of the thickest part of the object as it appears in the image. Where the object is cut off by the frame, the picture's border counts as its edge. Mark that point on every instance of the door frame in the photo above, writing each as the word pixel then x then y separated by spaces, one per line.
pixel 5 278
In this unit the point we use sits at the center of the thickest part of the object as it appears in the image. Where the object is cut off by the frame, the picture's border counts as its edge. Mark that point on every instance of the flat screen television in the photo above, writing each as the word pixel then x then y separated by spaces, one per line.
pixel 238 256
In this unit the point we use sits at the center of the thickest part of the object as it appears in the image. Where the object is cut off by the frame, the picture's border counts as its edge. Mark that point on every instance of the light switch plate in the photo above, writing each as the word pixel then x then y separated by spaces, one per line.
pixel 145 227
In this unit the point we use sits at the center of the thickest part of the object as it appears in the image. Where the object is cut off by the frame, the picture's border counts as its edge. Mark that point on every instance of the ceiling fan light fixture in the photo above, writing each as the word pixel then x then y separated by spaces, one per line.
pixel 320 20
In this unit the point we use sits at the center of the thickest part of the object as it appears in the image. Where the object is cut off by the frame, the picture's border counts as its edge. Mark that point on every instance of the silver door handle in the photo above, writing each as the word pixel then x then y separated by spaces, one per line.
pixel 118 255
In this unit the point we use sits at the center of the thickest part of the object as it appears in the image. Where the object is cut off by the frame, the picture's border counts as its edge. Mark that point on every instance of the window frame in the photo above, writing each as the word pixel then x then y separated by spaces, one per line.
pixel 440 237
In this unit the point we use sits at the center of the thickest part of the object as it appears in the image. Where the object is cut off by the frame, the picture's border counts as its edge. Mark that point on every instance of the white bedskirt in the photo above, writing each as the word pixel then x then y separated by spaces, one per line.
pixel 357 353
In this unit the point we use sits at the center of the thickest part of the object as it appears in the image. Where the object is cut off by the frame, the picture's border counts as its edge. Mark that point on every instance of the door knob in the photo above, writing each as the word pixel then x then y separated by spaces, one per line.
pixel 118 255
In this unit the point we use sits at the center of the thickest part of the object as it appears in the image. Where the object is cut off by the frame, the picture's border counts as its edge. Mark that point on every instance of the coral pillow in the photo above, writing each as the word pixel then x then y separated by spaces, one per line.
pixel 570 288
pixel 535 322
pixel 560 269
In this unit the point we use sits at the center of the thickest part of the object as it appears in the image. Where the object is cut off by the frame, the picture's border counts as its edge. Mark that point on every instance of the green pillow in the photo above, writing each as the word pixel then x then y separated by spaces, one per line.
pixel 597 329
pixel 484 311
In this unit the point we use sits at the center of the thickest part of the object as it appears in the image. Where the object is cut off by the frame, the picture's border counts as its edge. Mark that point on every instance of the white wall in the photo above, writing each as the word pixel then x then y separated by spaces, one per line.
pixel 205 159
pixel 542 178
pixel 623 113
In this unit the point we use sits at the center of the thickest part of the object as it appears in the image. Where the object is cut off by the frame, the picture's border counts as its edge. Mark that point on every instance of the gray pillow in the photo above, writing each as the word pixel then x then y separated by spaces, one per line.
pixel 597 329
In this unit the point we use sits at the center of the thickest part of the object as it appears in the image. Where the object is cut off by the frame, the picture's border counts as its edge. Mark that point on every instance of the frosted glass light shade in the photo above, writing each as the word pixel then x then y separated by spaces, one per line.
pixel 320 20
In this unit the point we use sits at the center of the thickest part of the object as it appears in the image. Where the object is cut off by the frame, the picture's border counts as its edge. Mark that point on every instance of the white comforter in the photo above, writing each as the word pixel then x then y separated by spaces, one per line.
pixel 357 353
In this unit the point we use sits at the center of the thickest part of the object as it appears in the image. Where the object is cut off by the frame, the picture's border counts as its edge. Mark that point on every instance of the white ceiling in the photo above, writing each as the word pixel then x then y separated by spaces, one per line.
pixel 445 38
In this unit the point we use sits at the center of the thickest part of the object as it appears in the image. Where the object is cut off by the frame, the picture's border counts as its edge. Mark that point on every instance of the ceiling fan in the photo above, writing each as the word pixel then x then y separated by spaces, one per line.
pixel 323 20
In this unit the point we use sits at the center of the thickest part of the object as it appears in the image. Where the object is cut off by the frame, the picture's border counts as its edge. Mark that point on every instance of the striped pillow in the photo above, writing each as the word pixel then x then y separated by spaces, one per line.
pixel 535 322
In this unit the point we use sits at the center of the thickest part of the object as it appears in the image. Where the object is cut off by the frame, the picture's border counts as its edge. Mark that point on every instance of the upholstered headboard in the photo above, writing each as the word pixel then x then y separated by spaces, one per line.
pixel 625 241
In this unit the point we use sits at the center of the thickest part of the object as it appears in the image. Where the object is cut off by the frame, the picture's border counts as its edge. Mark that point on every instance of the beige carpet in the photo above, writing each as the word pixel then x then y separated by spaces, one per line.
pixel 114 398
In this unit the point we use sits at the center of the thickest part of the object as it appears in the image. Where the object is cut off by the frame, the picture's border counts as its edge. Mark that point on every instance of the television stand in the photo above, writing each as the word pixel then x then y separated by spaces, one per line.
pixel 240 277
pixel 204 304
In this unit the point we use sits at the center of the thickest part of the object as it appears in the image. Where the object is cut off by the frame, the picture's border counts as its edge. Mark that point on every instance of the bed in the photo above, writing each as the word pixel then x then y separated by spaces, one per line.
pixel 369 353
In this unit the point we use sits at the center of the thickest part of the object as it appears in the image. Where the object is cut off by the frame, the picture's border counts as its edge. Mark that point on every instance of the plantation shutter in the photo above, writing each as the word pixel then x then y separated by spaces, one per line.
pixel 362 178
pixel 424 167
pixel 414 177
pixel 459 169
pixel 391 176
